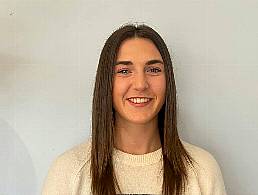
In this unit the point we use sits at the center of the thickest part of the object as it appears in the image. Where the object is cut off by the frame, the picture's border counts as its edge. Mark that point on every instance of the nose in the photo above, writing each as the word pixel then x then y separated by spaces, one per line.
pixel 140 82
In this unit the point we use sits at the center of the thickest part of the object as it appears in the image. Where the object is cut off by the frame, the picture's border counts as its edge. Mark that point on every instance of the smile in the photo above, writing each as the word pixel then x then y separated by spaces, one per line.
pixel 139 102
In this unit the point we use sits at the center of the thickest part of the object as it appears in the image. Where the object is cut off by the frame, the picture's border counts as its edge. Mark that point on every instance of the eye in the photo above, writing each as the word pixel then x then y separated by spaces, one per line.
pixel 154 70
pixel 123 71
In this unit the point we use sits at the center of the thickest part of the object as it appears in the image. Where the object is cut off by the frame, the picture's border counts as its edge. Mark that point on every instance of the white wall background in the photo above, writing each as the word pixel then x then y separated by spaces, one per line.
pixel 49 52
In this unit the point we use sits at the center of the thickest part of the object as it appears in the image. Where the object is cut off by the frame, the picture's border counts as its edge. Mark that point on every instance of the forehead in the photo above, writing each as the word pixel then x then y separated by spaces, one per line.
pixel 138 48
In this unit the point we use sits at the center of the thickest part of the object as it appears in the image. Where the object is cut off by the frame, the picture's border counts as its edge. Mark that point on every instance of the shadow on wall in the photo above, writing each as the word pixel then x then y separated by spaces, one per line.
pixel 17 171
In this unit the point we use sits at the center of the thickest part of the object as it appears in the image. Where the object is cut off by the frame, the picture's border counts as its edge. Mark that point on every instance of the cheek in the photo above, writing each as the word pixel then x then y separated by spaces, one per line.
pixel 159 86
pixel 119 89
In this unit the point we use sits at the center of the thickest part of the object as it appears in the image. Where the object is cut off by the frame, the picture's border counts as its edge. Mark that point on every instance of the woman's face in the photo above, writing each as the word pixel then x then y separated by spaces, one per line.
pixel 139 82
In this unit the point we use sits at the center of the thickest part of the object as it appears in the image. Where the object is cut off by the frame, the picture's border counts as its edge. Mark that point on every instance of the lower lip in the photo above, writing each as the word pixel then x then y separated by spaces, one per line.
pixel 139 104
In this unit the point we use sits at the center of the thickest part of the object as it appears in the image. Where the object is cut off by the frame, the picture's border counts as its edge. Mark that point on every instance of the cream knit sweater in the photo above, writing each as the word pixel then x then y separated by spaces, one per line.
pixel 69 174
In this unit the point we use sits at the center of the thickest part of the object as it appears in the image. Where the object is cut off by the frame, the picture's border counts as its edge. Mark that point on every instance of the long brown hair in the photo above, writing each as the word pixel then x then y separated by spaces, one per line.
pixel 175 157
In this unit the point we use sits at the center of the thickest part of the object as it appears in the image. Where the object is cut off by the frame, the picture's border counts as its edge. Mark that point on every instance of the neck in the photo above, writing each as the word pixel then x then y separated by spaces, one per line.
pixel 137 138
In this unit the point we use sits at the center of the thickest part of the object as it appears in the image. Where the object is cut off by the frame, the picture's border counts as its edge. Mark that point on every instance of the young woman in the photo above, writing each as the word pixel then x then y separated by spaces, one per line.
pixel 134 147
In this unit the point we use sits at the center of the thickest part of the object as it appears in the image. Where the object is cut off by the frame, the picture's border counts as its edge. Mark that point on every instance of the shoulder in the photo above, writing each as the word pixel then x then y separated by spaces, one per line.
pixel 207 170
pixel 75 156
pixel 65 167
pixel 200 155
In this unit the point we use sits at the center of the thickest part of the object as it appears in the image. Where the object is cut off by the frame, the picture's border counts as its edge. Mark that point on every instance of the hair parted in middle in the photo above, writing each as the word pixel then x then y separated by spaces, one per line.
pixel 176 159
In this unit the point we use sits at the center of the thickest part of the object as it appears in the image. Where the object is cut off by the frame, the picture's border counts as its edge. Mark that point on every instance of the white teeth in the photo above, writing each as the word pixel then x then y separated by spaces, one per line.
pixel 139 100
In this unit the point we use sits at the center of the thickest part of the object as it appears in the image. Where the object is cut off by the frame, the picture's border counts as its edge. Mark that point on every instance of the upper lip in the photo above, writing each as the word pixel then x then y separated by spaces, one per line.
pixel 139 97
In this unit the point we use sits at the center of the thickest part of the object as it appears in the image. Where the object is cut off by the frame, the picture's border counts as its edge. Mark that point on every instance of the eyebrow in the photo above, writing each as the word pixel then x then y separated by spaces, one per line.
pixel 150 62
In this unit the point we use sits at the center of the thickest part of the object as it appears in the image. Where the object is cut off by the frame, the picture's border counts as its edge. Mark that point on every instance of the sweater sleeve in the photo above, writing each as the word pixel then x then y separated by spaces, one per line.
pixel 58 178
pixel 64 170
pixel 207 171
pixel 215 183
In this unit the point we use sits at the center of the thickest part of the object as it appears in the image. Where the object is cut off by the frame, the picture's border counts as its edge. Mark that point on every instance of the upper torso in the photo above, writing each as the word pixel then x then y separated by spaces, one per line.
pixel 69 174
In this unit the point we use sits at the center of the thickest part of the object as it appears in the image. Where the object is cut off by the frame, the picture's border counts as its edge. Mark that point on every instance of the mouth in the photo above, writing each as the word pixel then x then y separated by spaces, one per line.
pixel 139 101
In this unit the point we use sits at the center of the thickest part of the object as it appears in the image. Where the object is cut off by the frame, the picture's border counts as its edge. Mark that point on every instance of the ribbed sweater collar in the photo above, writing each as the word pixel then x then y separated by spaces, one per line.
pixel 137 159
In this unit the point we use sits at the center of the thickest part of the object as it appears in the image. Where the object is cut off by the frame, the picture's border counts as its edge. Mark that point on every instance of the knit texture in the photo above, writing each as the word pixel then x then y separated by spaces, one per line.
pixel 69 173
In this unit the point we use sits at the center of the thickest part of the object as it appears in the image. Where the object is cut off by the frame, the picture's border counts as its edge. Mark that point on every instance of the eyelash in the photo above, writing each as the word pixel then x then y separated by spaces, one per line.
pixel 121 70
